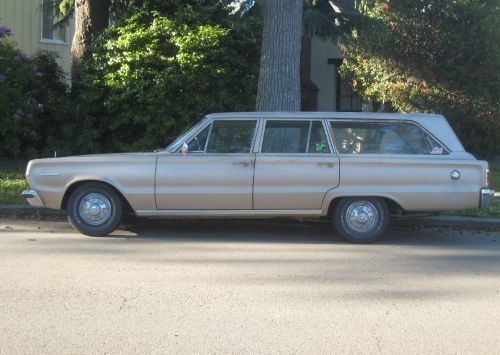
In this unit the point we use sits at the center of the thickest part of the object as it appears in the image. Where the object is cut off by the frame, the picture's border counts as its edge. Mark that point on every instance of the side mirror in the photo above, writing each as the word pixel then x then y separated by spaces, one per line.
pixel 185 148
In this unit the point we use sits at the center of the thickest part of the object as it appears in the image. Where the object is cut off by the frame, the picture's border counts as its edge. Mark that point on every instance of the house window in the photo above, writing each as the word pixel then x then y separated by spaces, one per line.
pixel 347 100
pixel 52 31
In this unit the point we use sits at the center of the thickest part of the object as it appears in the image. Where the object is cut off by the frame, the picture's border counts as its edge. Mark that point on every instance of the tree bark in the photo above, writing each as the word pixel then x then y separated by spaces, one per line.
pixel 91 17
pixel 279 77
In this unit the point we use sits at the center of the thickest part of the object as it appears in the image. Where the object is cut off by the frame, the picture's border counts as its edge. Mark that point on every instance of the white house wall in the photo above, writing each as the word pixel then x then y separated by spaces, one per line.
pixel 323 74
pixel 24 18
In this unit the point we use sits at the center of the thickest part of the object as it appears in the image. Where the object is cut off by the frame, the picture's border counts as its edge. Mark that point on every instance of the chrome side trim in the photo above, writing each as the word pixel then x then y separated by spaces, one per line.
pixel 230 213
pixel 49 174
pixel 33 198
pixel 487 196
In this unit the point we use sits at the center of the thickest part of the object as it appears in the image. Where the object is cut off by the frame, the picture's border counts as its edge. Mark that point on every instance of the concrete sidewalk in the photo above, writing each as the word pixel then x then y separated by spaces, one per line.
pixel 424 220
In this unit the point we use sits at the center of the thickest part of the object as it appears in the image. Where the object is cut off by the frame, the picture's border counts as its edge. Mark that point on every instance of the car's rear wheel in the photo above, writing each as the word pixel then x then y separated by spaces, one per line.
pixel 361 219
pixel 95 209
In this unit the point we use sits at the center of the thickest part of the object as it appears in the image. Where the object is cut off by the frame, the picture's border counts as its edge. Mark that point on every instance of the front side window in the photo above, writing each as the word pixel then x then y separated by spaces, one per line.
pixel 294 137
pixel 224 137
pixel 50 29
pixel 384 138
pixel 199 142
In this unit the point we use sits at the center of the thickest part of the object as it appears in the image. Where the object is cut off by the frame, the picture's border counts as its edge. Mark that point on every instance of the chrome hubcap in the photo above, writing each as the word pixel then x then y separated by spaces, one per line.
pixel 95 209
pixel 362 216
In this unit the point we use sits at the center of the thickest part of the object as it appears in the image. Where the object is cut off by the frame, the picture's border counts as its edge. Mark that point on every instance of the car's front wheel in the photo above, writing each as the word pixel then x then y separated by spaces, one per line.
pixel 361 219
pixel 94 209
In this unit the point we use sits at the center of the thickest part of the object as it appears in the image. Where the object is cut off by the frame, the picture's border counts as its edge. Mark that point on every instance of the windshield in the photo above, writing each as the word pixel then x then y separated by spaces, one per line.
pixel 177 143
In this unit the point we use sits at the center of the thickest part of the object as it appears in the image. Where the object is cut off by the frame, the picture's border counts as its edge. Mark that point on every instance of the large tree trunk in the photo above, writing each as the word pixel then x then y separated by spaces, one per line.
pixel 91 17
pixel 279 76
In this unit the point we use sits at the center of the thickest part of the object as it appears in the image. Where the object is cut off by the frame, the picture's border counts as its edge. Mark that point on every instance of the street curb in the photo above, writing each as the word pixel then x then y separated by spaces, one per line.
pixel 450 221
pixel 28 211
pixel 426 221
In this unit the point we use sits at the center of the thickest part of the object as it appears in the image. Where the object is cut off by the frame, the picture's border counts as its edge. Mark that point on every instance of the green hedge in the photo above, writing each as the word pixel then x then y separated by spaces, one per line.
pixel 153 75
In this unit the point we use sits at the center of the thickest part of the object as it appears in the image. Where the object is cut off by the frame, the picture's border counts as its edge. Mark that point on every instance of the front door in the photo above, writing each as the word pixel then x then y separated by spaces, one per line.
pixel 295 166
pixel 215 174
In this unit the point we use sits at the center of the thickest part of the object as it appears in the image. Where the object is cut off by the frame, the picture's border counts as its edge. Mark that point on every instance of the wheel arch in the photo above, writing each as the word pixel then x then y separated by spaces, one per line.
pixel 73 186
pixel 394 207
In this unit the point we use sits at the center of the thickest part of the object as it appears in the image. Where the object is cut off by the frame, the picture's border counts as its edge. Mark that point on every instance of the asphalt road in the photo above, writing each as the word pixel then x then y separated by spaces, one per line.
pixel 208 287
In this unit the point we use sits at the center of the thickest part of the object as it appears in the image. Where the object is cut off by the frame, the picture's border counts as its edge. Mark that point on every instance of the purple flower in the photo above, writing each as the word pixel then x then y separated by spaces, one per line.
pixel 2 77
pixel 38 74
pixel 17 114
pixel 4 31
pixel 25 57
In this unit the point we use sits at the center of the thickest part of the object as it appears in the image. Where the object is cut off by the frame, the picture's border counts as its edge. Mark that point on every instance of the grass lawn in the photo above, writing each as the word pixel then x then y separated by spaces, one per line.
pixel 12 183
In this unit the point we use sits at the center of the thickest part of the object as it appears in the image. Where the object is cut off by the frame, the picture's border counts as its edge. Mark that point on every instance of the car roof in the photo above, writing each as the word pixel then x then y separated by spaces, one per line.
pixel 328 115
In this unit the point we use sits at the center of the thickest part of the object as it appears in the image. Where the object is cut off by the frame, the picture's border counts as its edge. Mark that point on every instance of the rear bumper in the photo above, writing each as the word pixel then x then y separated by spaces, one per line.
pixel 33 198
pixel 487 196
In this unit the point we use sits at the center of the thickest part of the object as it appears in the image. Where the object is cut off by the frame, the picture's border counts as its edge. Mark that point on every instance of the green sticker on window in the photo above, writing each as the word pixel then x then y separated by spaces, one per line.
pixel 320 147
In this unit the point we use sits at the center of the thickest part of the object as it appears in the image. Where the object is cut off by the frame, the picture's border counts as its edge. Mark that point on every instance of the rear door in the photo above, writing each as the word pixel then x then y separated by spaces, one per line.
pixel 295 165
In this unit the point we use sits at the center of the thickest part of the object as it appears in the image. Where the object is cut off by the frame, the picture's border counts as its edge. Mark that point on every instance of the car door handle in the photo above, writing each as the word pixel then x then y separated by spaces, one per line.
pixel 326 165
pixel 241 163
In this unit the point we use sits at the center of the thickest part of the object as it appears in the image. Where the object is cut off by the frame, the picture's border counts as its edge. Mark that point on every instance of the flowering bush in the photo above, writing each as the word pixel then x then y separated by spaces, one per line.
pixel 17 103
pixel 33 101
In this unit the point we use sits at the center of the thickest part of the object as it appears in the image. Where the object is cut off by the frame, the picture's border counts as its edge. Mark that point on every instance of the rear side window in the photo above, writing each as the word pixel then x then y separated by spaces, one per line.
pixel 294 137
pixel 384 138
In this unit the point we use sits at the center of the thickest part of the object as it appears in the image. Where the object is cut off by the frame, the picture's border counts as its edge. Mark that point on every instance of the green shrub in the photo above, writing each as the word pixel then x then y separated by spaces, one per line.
pixel 152 75
pixel 60 127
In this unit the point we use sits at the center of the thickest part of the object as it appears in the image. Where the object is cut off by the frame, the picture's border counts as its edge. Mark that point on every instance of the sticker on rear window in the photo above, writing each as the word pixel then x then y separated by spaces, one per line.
pixel 437 150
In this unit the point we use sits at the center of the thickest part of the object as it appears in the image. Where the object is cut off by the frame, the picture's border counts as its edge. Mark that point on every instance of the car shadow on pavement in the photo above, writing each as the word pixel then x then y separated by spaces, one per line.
pixel 270 231
pixel 289 231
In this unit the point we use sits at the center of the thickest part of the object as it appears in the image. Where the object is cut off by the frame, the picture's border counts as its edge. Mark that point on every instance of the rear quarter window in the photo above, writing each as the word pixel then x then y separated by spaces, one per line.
pixel 384 138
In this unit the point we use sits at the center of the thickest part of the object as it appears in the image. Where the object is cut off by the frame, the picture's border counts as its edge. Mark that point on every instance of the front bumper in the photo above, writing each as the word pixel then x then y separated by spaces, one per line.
pixel 33 198
pixel 487 196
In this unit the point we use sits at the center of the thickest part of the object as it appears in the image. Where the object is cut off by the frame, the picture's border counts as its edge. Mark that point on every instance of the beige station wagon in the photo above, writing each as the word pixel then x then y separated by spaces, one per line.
pixel 356 169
